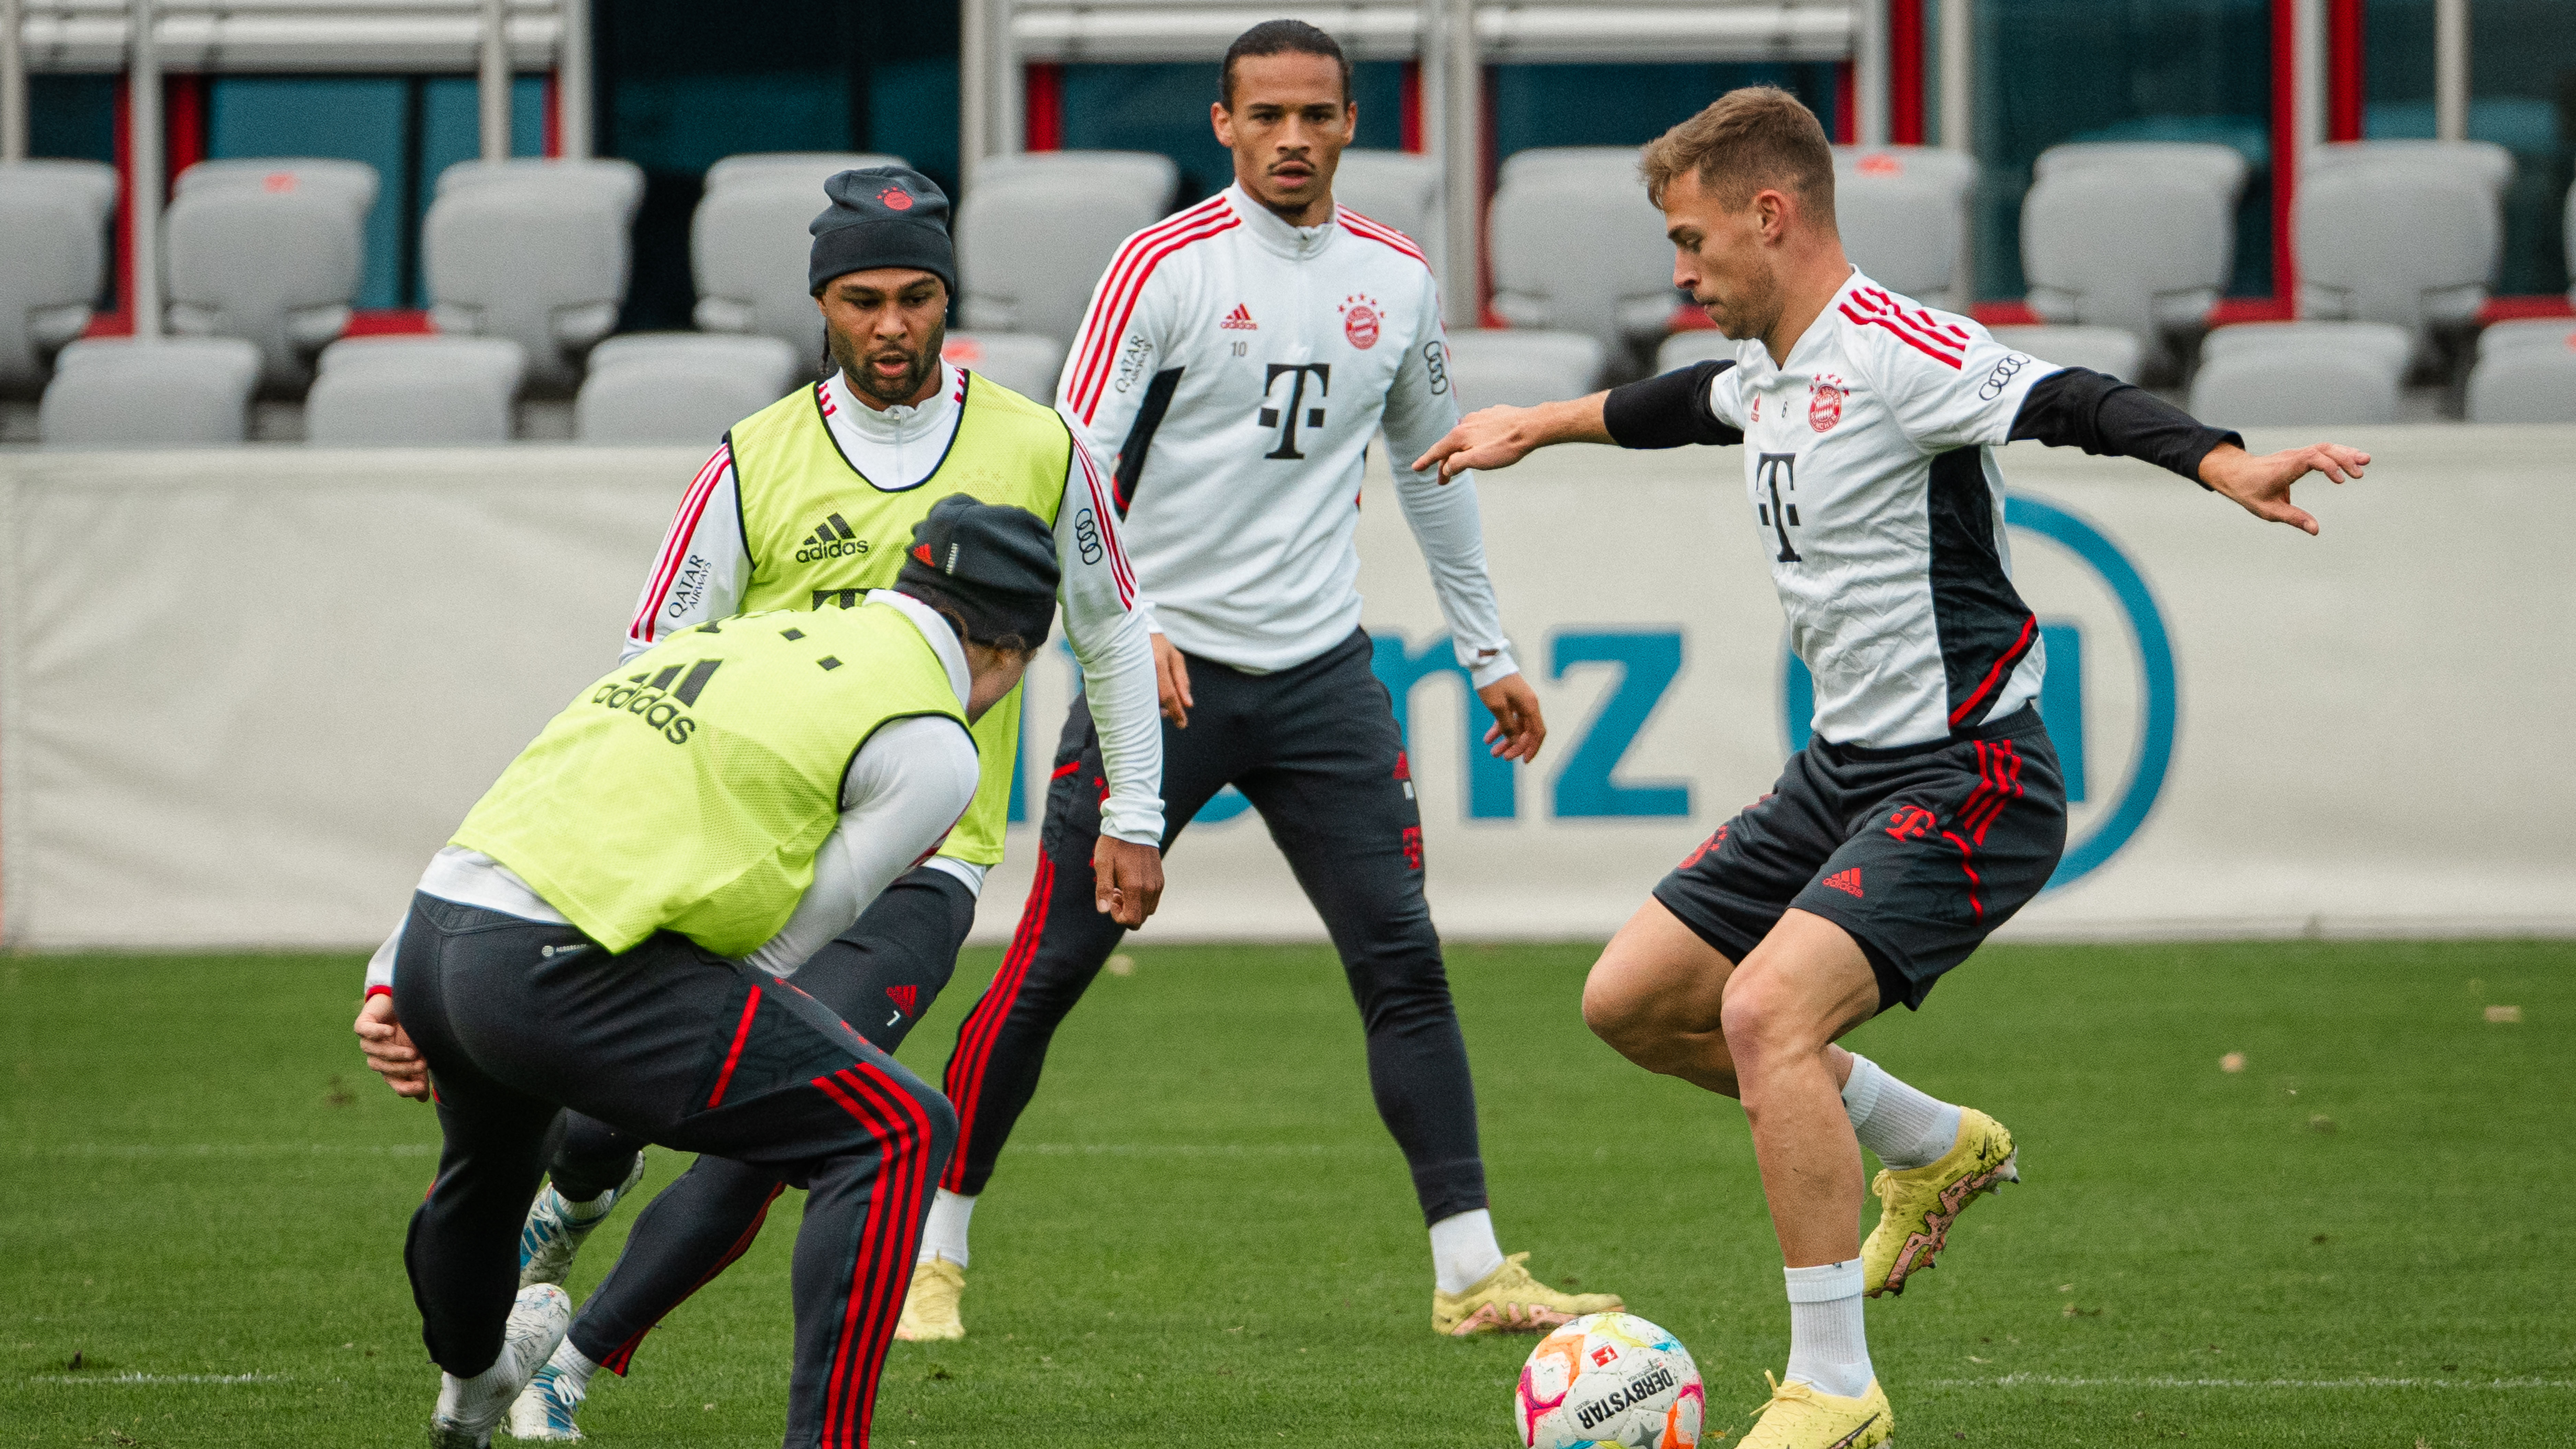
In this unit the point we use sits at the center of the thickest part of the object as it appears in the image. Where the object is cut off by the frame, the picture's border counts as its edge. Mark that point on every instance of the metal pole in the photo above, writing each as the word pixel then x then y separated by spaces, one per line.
pixel 1869 71
pixel 1462 164
pixel 2451 69
pixel 572 81
pixel 974 79
pixel 1958 98
pixel 145 181
pixel 13 81
pixel 1010 83
pixel 2311 73
pixel 493 83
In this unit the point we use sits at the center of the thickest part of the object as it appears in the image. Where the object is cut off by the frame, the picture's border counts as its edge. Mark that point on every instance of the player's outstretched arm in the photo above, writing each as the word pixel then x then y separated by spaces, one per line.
pixel 1498 437
pixel 2260 483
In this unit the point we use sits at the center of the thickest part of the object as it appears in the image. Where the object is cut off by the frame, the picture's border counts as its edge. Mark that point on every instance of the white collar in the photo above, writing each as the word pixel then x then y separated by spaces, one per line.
pixel 934 627
pixel 1293 242
pixel 901 424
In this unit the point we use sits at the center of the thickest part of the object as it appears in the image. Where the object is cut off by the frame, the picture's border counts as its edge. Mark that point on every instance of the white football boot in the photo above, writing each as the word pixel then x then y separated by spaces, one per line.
pixel 553 1235
pixel 545 1408
pixel 538 1322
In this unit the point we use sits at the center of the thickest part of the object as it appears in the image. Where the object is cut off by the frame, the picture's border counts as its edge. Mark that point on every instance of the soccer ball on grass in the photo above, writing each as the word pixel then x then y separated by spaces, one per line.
pixel 1609 1379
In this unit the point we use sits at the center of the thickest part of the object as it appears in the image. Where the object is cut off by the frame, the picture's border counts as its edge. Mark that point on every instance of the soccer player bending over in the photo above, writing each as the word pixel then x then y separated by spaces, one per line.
pixel 610 931
pixel 1927 807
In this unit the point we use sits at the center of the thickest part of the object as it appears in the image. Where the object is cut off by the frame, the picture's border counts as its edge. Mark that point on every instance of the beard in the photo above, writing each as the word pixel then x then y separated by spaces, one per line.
pixel 1752 312
pixel 856 366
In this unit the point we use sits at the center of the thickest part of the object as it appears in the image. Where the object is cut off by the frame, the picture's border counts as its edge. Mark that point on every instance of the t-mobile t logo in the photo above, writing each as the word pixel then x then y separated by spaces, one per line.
pixel 1781 515
pixel 1285 418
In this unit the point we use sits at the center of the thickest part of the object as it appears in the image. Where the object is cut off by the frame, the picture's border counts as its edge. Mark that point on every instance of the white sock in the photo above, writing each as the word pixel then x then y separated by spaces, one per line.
pixel 476 1404
pixel 590 1211
pixel 1463 1250
pixel 1827 1347
pixel 943 1235
pixel 573 1367
pixel 1906 1128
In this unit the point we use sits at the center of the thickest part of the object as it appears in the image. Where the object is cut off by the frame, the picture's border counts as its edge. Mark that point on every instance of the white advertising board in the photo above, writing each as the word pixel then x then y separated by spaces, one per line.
pixel 244 694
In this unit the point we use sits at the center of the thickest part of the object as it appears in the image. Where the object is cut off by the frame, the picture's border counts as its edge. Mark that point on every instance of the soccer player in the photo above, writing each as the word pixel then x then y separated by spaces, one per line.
pixel 609 930
pixel 1235 361
pixel 1927 807
pixel 807 505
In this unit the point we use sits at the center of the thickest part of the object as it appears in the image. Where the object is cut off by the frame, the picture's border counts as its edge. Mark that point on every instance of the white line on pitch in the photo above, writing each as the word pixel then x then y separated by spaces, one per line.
pixel 131 1380
pixel 2052 1381
pixel 235 1149
pixel 1175 1149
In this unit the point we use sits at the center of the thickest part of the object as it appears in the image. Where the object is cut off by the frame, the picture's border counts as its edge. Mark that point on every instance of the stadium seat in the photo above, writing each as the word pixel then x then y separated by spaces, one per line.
pixel 1026 365
pixel 748 242
pixel 811 167
pixel 1038 229
pixel 1903 213
pixel 678 387
pixel 532 251
pixel 2110 350
pixel 2414 245
pixel 2527 332
pixel 2485 162
pixel 1397 188
pixel 2529 379
pixel 1577 247
pixel 269 251
pixel 2139 236
pixel 2309 373
pixel 54 214
pixel 375 392
pixel 1491 367
pixel 1699 344
pixel 121 393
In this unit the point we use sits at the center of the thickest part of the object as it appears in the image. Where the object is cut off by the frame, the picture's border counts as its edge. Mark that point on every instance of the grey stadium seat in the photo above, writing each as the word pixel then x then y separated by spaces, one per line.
pixel 2412 245
pixel 2485 162
pixel 54 214
pixel 812 167
pixel 1396 188
pixel 2222 167
pixel 1903 213
pixel 1038 229
pixel 2525 384
pixel 198 391
pixel 1685 349
pixel 1577 247
pixel 269 251
pixel 1491 367
pixel 406 391
pixel 1025 364
pixel 678 387
pixel 2268 373
pixel 2146 250
pixel 2110 350
pixel 532 251
pixel 748 242
pixel 2528 332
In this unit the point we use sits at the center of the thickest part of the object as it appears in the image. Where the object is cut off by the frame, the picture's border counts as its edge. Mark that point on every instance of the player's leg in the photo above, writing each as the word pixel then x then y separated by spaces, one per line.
pixel 1053 957
pixel 594 1167
pixel 1338 801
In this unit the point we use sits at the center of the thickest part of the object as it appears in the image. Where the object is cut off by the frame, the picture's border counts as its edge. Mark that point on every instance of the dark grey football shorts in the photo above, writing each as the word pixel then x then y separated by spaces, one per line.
pixel 1919 852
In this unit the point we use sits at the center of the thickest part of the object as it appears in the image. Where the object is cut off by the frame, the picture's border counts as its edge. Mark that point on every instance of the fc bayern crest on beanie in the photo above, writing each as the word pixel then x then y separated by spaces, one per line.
pixel 881 216
pixel 992 565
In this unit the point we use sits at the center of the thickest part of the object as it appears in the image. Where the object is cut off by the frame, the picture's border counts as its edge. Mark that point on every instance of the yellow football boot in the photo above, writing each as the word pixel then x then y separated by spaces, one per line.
pixel 1509 1300
pixel 1918 1204
pixel 1801 1417
pixel 930 1304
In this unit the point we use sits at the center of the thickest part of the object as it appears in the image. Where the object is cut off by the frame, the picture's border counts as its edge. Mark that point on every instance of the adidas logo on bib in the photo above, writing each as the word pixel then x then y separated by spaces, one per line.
pixel 833 539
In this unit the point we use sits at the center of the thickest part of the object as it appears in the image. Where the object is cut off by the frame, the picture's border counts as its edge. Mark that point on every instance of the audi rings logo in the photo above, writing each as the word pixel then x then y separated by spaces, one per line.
pixel 1993 386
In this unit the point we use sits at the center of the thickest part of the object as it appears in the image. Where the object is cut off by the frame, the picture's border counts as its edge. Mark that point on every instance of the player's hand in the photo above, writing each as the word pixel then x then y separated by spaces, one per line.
pixel 1495 437
pixel 1518 728
pixel 1126 879
pixel 390 1053
pixel 1172 682
pixel 2262 483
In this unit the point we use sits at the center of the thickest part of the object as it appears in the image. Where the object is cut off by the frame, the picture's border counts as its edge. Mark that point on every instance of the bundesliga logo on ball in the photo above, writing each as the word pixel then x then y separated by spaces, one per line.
pixel 1610 1379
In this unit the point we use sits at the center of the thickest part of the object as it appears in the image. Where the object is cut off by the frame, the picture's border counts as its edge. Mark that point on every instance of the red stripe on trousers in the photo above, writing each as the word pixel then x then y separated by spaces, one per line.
pixel 902 1134
pixel 619 1357
pixel 895 1270
pixel 965 1078
pixel 733 1058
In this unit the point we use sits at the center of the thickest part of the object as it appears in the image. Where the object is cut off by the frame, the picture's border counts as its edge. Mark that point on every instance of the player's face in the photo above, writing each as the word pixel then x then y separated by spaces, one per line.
pixel 1287 126
pixel 1723 258
pixel 885 327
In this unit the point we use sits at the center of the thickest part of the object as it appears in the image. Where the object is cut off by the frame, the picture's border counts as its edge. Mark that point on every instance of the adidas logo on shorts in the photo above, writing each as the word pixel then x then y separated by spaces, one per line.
pixel 1846 881
pixel 833 539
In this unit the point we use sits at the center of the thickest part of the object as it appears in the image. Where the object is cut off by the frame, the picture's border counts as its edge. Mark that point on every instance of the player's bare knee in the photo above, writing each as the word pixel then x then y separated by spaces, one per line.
pixel 1764 1019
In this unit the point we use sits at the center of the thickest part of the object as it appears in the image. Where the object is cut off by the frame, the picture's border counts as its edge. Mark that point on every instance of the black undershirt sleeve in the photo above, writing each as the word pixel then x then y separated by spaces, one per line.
pixel 1668 411
pixel 2080 408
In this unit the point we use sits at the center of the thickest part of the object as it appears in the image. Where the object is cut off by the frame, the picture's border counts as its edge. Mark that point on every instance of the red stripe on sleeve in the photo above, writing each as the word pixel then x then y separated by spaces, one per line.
pixel 1097 344
pixel 675 544
pixel 1096 365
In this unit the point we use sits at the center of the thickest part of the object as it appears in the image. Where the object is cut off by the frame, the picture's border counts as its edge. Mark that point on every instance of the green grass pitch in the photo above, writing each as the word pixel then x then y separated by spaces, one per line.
pixel 1202 1235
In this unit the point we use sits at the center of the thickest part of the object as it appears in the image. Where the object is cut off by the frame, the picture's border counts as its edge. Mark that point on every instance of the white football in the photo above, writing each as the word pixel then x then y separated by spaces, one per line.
pixel 1610 1378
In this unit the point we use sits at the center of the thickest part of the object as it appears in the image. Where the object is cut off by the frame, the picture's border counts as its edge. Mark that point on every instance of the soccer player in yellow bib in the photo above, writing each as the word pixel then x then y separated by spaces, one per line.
pixel 617 926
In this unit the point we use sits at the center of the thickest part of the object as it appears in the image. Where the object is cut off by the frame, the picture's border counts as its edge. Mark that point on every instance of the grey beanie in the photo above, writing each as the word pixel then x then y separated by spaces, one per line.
pixel 882 216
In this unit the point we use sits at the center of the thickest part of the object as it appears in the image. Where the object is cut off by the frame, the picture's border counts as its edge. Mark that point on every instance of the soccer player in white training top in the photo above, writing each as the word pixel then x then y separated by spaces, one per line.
pixel 1236 360
pixel 1928 806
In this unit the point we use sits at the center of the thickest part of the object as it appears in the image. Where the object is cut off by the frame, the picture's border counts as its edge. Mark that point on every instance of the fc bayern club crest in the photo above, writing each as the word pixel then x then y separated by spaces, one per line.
pixel 1359 321
pixel 1825 403
pixel 895 198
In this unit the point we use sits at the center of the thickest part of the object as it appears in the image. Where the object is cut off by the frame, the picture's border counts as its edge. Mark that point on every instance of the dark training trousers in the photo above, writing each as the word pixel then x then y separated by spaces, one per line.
pixel 880 976
pixel 518 1019
pixel 1316 749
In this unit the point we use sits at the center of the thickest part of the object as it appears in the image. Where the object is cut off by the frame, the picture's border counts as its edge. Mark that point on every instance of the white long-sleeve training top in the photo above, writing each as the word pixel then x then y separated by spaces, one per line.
pixel 1229 374
pixel 703 566
pixel 904 788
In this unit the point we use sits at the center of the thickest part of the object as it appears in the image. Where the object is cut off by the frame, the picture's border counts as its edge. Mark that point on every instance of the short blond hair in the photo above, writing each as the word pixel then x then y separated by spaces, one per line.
pixel 1745 141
